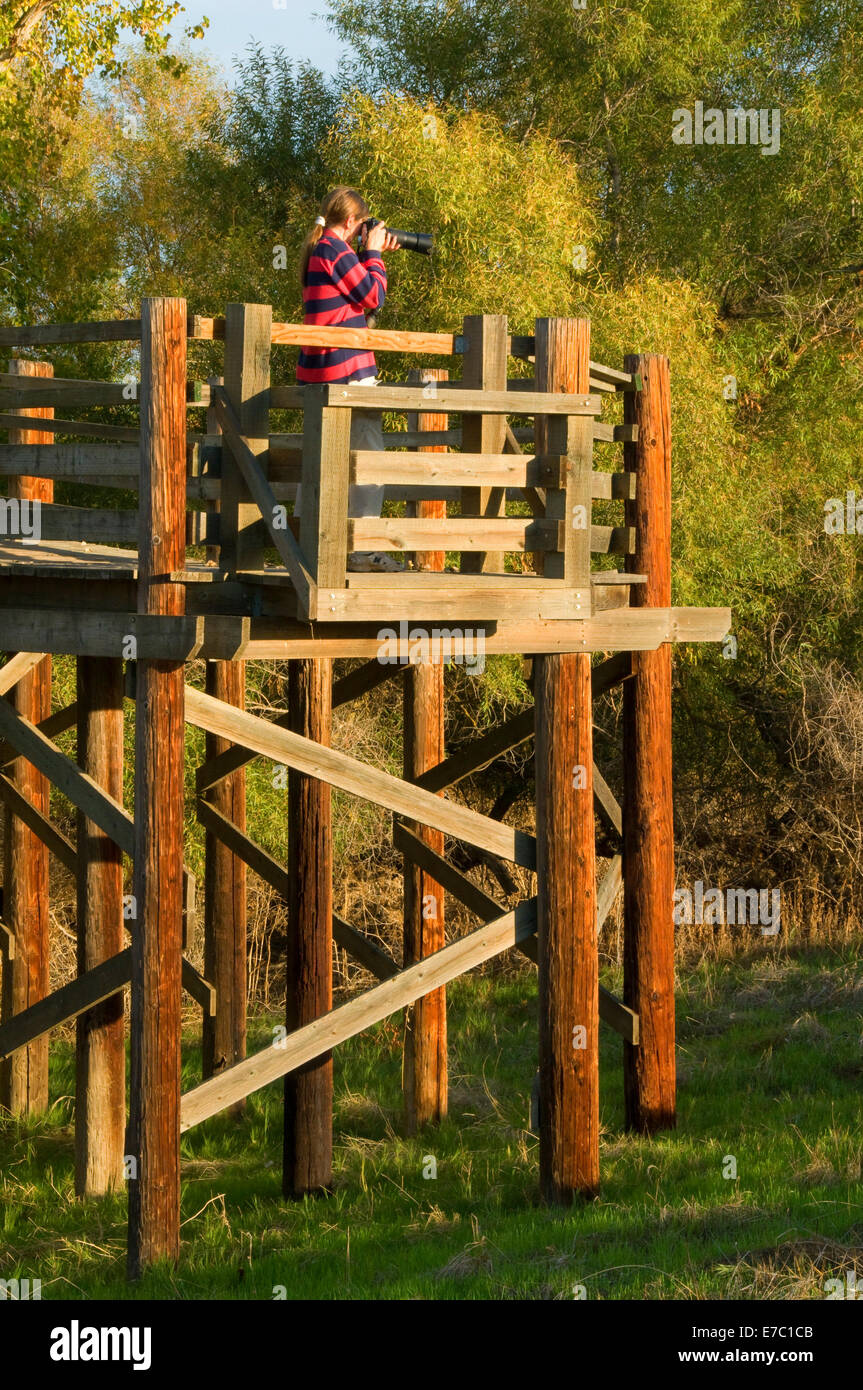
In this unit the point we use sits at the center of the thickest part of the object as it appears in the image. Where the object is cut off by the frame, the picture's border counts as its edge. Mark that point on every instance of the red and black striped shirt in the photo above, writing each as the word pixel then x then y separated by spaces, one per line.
pixel 340 289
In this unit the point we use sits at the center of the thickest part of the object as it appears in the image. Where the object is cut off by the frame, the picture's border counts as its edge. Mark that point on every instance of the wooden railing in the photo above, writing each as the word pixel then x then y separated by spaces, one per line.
pixel 246 478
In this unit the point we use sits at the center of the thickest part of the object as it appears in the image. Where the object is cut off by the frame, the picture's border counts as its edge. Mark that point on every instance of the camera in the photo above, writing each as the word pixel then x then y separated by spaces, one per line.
pixel 421 242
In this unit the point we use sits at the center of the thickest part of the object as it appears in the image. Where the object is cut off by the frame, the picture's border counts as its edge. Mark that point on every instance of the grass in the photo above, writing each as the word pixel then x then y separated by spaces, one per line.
pixel 771 1067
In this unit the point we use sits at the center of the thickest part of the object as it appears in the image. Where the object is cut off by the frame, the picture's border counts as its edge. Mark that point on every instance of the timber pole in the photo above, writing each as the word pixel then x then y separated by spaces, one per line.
pixel 154 1195
pixel 24 1075
pixel 308 1134
pixel 424 1079
pixel 648 828
pixel 100 1084
pixel 566 856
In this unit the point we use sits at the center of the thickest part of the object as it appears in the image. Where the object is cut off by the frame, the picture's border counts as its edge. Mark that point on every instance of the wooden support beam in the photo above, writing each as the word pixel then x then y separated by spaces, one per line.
pixel 84 793
pixel 24 1077
pixel 154 1129
pixel 225 895
pixel 120 433
pixel 265 507
pixel 648 822
pixel 444 873
pixel 340 770
pixel 562 346
pixel 379 962
pixel 318 1038
pixel 70 1001
pixel 484 370
pixel 100 1091
pixel 361 681
pixel 270 870
pixel 566 854
pixel 308 1133
pixel 17 667
pixel 424 1073
pixel 47 832
pixel 325 490
pixel 248 330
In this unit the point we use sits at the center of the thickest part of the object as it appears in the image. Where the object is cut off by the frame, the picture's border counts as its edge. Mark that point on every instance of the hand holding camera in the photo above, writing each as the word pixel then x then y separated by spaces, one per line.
pixel 376 237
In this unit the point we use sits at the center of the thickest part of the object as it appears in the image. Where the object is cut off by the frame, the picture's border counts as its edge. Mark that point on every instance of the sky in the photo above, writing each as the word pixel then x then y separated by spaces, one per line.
pixel 297 25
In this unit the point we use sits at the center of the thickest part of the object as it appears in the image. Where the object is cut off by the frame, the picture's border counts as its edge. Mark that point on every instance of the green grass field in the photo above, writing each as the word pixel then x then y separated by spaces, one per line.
pixel 771 1073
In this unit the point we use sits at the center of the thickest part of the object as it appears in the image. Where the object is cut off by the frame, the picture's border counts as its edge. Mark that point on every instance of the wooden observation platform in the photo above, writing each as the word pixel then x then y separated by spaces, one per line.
pixel 117 589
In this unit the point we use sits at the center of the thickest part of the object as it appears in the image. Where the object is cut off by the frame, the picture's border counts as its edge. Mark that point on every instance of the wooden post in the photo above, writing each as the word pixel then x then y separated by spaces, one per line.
pixel 154 1196
pixel 308 1139
pixel 424 1079
pixel 648 828
pixel 484 369
pixel 100 1088
pixel 566 868
pixel 224 1040
pixel 24 1076
pixel 248 334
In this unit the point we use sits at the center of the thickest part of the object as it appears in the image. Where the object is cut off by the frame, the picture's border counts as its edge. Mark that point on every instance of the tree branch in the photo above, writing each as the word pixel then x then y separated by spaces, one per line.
pixel 23 29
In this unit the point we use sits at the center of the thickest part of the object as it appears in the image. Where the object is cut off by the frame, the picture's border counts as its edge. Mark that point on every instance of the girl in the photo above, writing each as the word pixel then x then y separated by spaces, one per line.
pixel 339 288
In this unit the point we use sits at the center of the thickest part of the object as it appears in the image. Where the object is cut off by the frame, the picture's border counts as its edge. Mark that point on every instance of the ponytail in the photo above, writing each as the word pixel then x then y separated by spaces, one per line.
pixel 336 208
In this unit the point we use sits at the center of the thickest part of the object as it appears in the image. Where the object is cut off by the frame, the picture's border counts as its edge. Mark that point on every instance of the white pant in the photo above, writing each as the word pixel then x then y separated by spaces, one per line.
pixel 366 499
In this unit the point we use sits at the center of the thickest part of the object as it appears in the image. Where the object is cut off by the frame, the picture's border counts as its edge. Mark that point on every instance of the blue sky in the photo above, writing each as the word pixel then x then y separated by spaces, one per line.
pixel 299 27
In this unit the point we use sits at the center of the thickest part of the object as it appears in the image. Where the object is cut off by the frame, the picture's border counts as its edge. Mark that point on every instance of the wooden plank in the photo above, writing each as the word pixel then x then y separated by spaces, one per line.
pixel 42 334
pixel 105 525
pixel 101 634
pixel 444 873
pixel 360 682
pixel 606 803
pixel 67 1003
pixel 612 540
pixel 246 391
pixel 25 980
pixel 16 667
pixel 469 534
pixel 260 490
pixel 55 724
pixel 225 893
pixel 479 753
pixel 118 433
pixel 613 486
pixel 375 339
pixel 562 349
pixel 270 870
pixel 609 434
pixel 53 839
pixel 157 949
pixel 349 1019
pixel 612 882
pixel 325 483
pixel 69 460
pixel 484 374
pixel 100 1045
pixel 340 770
pixel 648 812
pixel 482 751
pixel 308 1094
pixel 379 962
pixel 451 470
pixel 450 400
